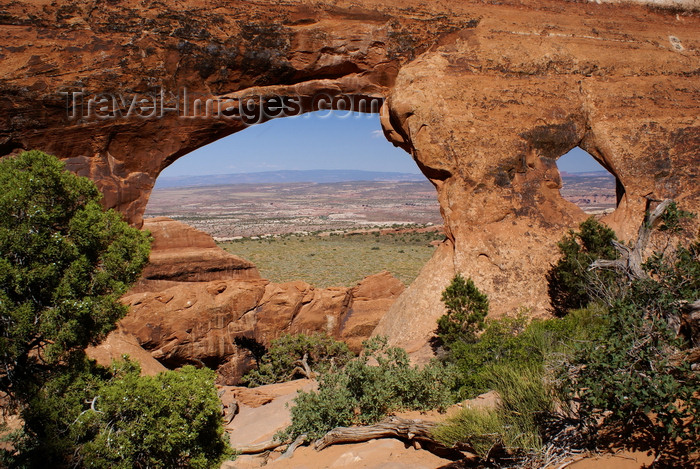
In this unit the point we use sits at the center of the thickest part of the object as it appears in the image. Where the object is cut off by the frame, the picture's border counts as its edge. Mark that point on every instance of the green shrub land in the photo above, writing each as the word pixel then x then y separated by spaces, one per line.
pixel 315 259
pixel 64 263
pixel 369 387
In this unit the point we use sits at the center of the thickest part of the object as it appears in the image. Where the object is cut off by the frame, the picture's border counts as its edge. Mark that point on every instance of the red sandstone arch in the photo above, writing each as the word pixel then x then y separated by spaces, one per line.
pixel 484 97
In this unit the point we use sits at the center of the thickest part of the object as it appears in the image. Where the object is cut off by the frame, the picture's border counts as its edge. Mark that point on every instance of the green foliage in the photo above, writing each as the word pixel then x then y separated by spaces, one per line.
pixel 169 420
pixel 369 387
pixel 93 417
pixel 513 423
pixel 513 358
pixel 512 342
pixel 466 308
pixel 47 439
pixel 674 281
pixel 628 375
pixel 283 362
pixel 64 262
pixel 597 365
pixel 671 219
pixel 569 280
pixel 481 429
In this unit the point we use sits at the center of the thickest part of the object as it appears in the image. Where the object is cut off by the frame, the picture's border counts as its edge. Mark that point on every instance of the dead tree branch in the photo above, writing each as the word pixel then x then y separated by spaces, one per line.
pixel 303 368
pixel 289 452
pixel 630 261
pixel 262 447
pixel 413 430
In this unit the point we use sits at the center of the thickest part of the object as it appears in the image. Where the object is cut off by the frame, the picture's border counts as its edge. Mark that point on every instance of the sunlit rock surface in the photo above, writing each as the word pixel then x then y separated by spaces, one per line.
pixel 484 97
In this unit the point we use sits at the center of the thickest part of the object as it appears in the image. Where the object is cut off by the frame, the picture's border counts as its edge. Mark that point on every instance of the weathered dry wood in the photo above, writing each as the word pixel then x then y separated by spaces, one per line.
pixel 303 368
pixel 262 447
pixel 630 261
pixel 290 450
pixel 230 411
pixel 413 430
pixel 392 427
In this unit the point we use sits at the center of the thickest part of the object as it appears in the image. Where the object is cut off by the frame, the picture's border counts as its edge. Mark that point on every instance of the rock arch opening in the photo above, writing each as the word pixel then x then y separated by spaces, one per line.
pixel 587 183
pixel 321 204
pixel 321 197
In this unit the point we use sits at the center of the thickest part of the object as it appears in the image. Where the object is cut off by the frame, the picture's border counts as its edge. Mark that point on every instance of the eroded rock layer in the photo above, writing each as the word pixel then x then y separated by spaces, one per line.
pixel 180 253
pixel 212 298
pixel 484 97
pixel 198 322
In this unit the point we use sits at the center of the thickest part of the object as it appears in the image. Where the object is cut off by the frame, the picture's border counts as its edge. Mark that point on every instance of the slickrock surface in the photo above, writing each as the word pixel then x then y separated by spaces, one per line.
pixel 120 343
pixel 485 97
pixel 371 299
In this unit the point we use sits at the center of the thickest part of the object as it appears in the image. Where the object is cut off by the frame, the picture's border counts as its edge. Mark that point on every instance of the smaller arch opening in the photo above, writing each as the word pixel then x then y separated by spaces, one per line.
pixel 588 184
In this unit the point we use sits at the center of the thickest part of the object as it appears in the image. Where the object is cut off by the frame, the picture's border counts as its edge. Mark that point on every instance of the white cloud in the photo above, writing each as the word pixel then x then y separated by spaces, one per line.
pixel 377 134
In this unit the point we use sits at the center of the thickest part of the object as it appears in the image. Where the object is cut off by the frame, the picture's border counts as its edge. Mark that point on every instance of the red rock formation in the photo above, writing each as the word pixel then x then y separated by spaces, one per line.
pixel 371 299
pixel 197 319
pixel 485 98
pixel 198 322
pixel 120 343
pixel 180 253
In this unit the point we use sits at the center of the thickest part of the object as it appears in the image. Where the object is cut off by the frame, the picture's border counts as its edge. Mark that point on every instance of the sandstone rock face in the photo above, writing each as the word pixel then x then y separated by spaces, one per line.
pixel 180 253
pixel 193 322
pixel 371 299
pixel 484 97
pixel 502 205
pixel 198 322
pixel 263 411
pixel 412 319
pixel 120 343
pixel 219 297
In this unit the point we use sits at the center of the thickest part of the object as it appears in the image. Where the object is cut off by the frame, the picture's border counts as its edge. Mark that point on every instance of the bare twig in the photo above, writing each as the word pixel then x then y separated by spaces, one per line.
pixel 630 261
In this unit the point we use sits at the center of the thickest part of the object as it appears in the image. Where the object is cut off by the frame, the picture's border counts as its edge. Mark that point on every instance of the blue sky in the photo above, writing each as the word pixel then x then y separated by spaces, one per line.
pixel 319 140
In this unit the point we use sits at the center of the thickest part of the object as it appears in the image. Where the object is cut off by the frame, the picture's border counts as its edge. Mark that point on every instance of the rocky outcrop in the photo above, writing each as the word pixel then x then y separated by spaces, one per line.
pixel 120 343
pixel 219 297
pixel 180 253
pixel 198 322
pixel 371 299
pixel 485 97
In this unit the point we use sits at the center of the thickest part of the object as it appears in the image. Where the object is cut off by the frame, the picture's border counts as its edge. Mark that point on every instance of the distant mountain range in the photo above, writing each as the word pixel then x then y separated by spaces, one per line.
pixel 311 175
pixel 586 174
pixel 271 177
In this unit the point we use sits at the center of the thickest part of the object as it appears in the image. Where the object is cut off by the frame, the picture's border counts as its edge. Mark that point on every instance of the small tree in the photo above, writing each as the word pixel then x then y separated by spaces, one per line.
pixel 91 416
pixel 64 263
pixel 466 308
pixel 169 420
pixel 635 372
pixel 569 282
pixel 298 356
